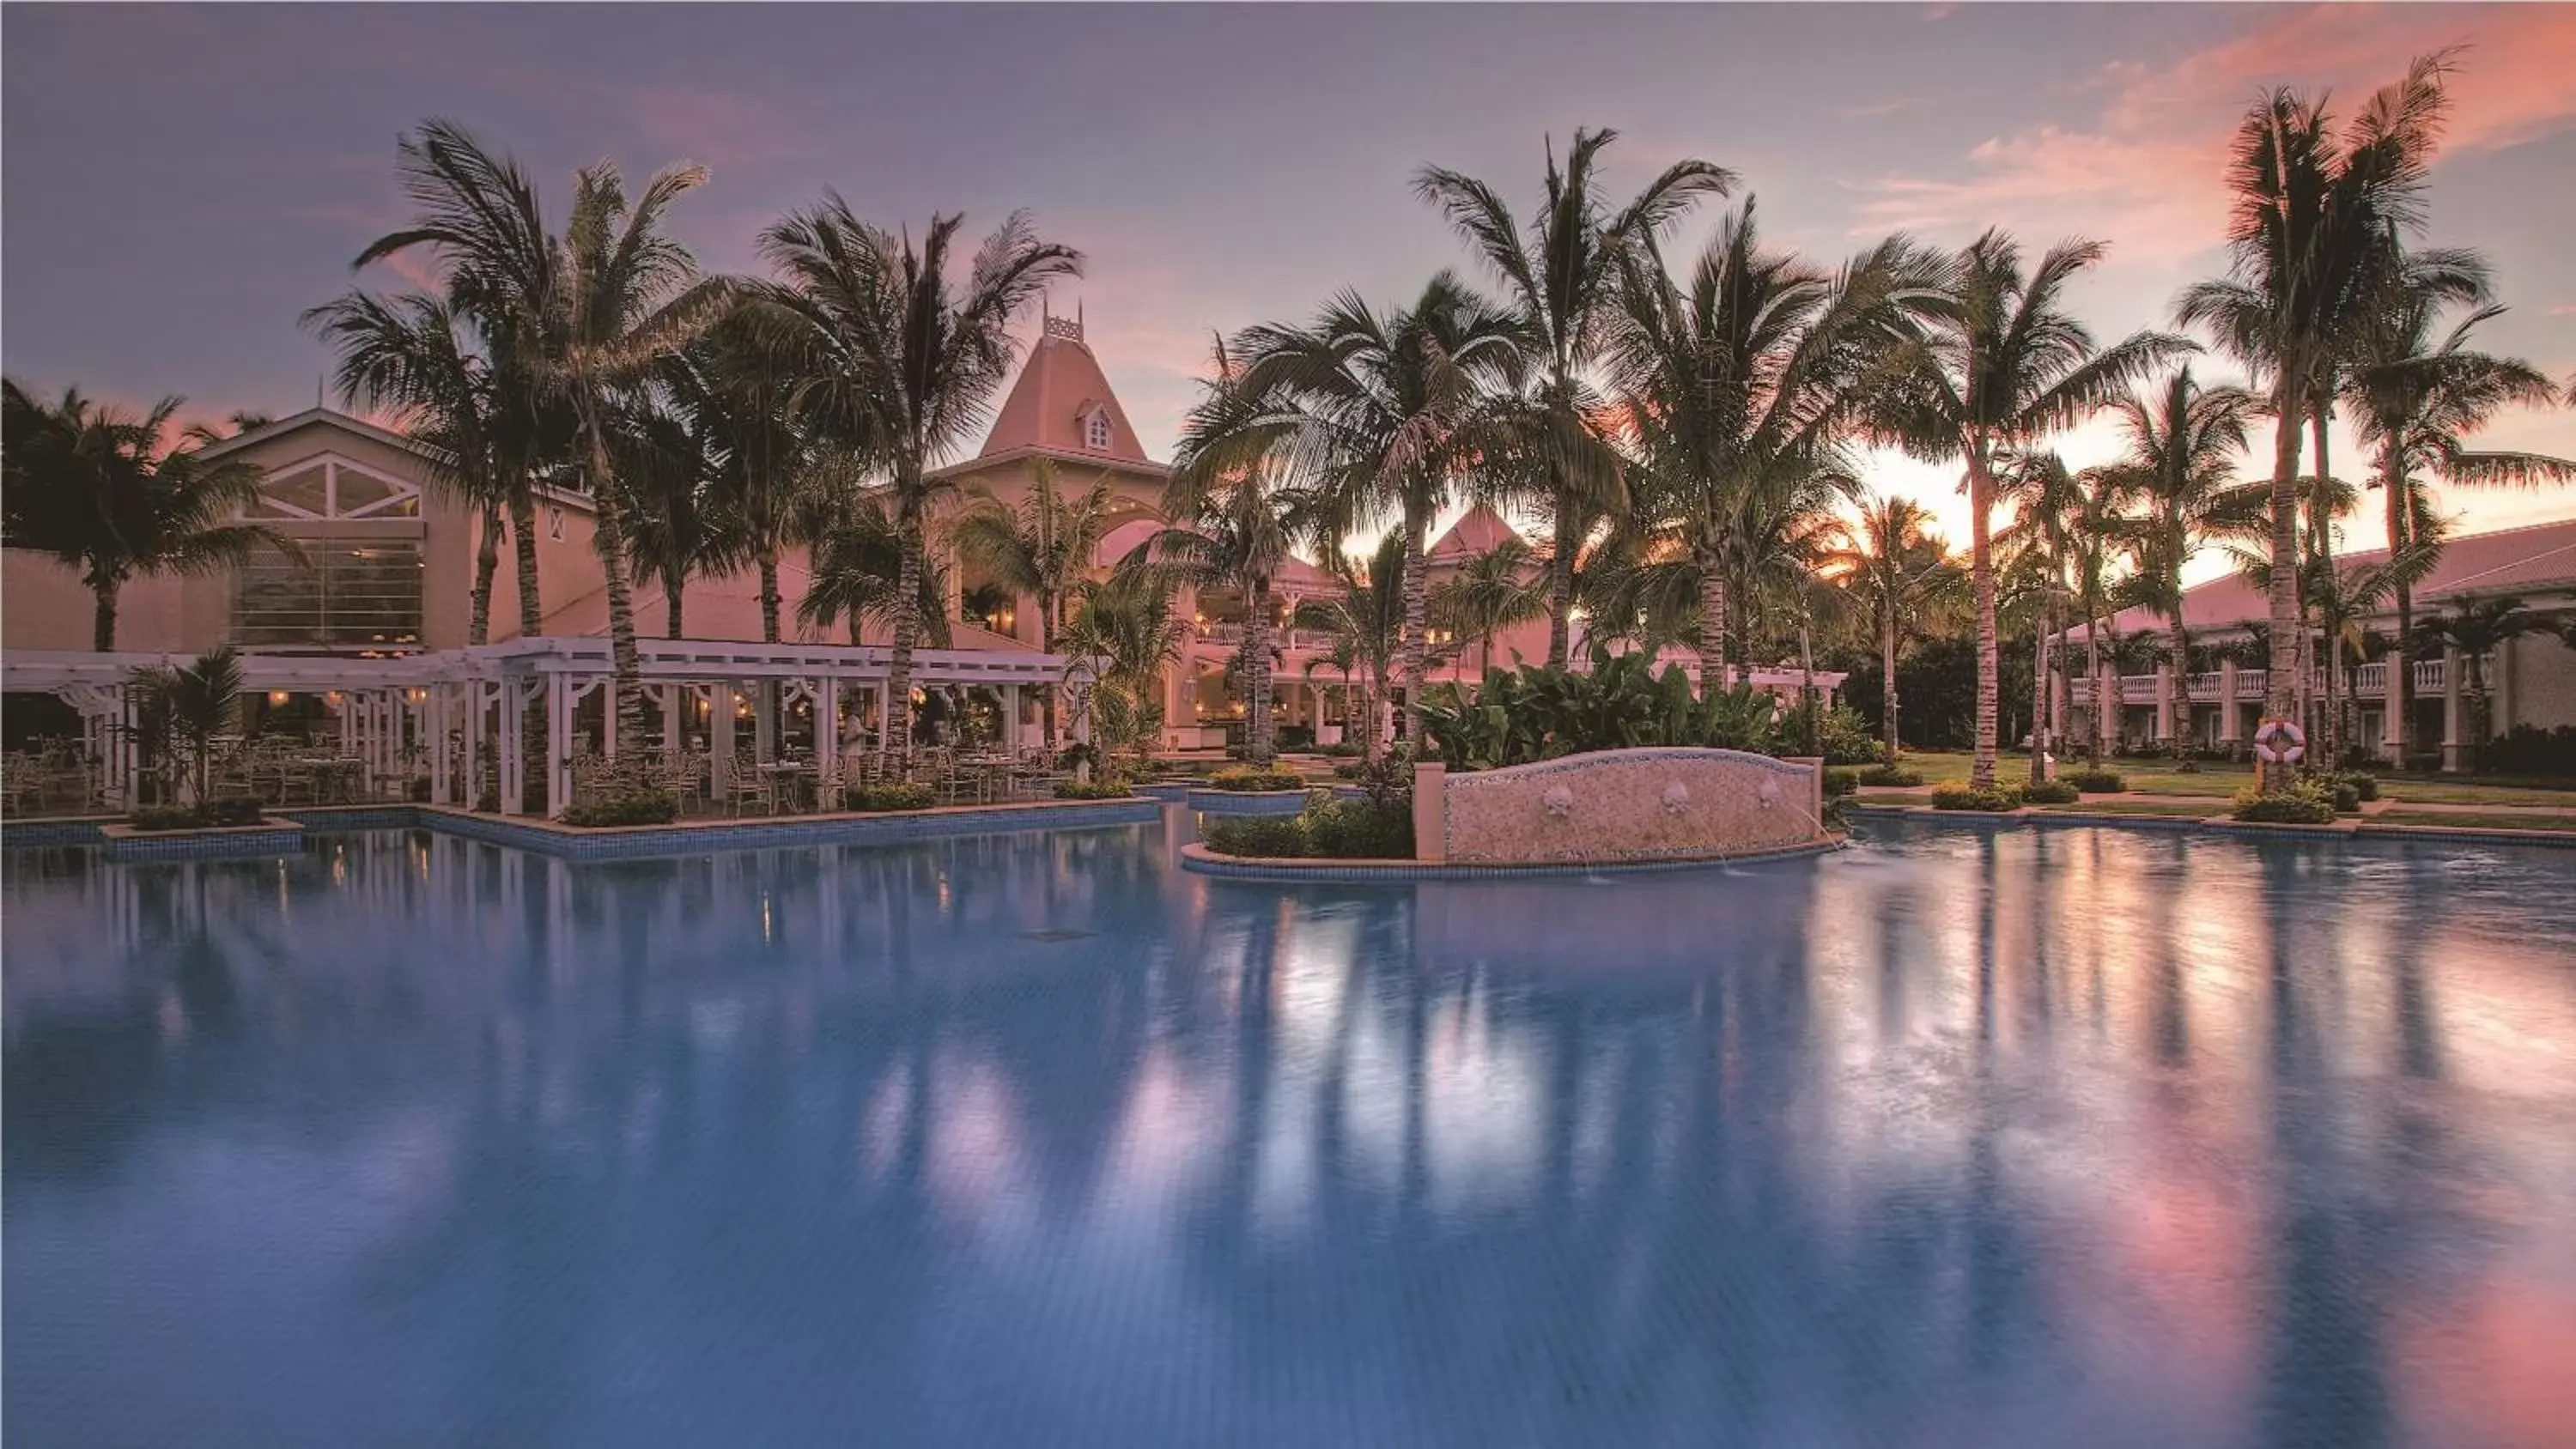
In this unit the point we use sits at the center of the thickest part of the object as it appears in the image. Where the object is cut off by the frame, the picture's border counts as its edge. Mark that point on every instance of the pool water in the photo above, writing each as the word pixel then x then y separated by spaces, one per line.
pixel 1968 1138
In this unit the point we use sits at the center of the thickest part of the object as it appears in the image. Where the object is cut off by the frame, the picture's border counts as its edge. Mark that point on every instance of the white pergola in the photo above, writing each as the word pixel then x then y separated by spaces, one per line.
pixel 445 707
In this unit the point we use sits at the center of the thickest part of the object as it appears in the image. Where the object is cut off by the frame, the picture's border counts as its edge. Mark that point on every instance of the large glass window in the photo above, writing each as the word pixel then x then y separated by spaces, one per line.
pixel 341 594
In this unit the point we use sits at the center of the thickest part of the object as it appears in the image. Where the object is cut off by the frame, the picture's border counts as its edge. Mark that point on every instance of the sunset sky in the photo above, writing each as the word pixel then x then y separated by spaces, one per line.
pixel 181 183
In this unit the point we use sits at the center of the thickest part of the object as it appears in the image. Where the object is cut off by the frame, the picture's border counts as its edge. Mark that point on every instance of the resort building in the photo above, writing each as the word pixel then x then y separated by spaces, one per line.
pixel 2529 679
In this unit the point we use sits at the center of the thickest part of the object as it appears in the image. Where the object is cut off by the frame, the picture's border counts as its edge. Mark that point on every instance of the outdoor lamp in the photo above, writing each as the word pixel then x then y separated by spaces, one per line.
pixel 276 697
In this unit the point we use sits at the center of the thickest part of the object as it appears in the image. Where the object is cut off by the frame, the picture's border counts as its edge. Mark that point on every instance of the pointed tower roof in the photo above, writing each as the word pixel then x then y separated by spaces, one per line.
pixel 1476 533
pixel 1062 404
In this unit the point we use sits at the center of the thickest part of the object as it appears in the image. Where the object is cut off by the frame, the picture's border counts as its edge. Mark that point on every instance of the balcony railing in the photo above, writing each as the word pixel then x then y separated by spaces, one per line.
pixel 2368 682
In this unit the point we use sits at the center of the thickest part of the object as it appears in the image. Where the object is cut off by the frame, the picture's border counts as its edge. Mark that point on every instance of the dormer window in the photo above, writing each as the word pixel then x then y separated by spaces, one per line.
pixel 1095 428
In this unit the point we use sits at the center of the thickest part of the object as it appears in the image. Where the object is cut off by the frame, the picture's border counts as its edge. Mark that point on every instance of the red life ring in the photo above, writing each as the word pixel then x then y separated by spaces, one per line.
pixel 2280 742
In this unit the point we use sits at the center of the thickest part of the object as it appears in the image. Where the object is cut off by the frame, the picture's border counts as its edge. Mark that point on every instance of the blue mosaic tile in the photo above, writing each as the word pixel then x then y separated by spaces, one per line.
pixel 1357 873
pixel 183 845
pixel 1244 802
pixel 47 834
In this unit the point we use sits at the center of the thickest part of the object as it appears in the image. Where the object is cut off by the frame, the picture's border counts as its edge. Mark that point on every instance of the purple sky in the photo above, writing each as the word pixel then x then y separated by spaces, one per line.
pixel 180 183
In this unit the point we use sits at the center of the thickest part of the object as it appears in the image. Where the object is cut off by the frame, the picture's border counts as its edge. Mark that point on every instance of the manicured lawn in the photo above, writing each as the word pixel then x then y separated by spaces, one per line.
pixel 2556 824
pixel 2447 792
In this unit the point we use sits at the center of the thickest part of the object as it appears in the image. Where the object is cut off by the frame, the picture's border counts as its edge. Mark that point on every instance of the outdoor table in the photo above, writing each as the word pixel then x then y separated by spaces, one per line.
pixel 788 776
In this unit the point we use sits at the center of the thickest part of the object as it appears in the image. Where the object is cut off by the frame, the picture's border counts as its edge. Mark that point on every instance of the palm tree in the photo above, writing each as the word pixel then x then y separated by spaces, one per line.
pixel 193 704
pixel 2475 631
pixel 2417 401
pixel 1741 391
pixel 2181 469
pixel 2098 533
pixel 93 489
pixel 1366 624
pixel 1559 273
pixel 408 355
pixel 1127 623
pixel 898 365
pixel 2046 495
pixel 1387 413
pixel 2006 364
pixel 736 393
pixel 683 525
pixel 1489 593
pixel 1902 576
pixel 584 318
pixel 1043 548
pixel 857 568
pixel 2315 248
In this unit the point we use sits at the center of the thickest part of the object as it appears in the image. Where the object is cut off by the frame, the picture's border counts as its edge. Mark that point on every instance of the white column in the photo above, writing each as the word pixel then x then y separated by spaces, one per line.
pixel 559 704
pixel 2392 721
pixel 511 707
pixel 764 721
pixel 439 776
pixel 1011 720
pixel 674 698
pixel 720 736
pixel 2166 724
pixel 827 733
pixel 2454 710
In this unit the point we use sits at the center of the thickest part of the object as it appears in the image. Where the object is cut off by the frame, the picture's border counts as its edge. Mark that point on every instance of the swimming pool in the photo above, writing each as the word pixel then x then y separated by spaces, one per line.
pixel 1959 1138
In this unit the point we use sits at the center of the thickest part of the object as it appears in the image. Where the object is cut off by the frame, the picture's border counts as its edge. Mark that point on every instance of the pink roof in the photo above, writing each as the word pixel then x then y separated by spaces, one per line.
pixel 729 608
pixel 1478 532
pixel 1059 387
pixel 2509 561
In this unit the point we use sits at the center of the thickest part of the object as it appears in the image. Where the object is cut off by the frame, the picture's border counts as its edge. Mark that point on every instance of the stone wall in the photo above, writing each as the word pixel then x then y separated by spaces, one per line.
pixel 1648 804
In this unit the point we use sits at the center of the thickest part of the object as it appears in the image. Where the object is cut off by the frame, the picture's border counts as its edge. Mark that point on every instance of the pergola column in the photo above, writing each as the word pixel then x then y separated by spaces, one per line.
pixel 512 707
pixel 764 721
pixel 2454 716
pixel 1011 719
pixel 827 733
pixel 673 722
pixel 720 706
pixel 560 699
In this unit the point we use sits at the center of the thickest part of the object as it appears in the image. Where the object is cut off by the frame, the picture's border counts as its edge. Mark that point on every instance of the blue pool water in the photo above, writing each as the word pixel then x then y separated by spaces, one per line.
pixel 1959 1138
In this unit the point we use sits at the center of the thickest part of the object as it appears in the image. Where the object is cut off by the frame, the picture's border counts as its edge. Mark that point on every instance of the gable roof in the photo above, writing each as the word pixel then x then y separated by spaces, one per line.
pixel 2507 561
pixel 1476 533
pixel 1057 386
pixel 323 418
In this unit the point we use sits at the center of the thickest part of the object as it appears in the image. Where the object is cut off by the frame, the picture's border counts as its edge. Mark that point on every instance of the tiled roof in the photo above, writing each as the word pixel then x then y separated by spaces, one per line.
pixel 2508 561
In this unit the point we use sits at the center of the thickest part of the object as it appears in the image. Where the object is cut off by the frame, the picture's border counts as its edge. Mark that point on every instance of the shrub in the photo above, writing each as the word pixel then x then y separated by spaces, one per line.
pixel 1326 829
pixel 1279 837
pixel 1891 775
pixel 1964 796
pixel 166 817
pixel 2363 784
pixel 1339 750
pixel 1349 769
pixel 626 807
pixel 2051 792
pixel 2307 802
pixel 1839 783
pixel 1251 781
pixel 1107 787
pixel 2096 782
pixel 1846 738
pixel 876 799
pixel 2530 750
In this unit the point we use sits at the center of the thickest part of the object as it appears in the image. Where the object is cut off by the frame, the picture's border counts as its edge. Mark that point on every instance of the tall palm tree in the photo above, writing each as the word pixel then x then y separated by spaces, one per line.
pixel 898 363
pixel 1559 273
pixel 584 317
pixel 2417 401
pixel 1127 622
pixel 1742 389
pixel 1387 413
pixel 95 489
pixel 2180 468
pixel 857 567
pixel 1903 578
pixel 1489 593
pixel 737 393
pixel 2005 365
pixel 2315 246
pixel 2045 495
pixel 1365 623
pixel 1043 548
pixel 2097 536
pixel 683 526
pixel 408 355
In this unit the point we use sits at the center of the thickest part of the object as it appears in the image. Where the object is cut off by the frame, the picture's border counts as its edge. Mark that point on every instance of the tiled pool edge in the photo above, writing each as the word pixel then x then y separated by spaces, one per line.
pixel 2238 829
pixel 625 843
pixel 123 843
pixel 1197 858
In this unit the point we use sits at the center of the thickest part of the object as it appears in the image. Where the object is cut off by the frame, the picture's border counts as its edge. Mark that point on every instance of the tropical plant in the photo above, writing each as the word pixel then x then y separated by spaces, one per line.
pixel 1364 624
pixel 95 490
pixel 2475 630
pixel 2315 243
pixel 2183 439
pixel 1386 413
pixel 190 706
pixel 1741 390
pixel 858 569
pixel 680 526
pixel 1124 626
pixel 2040 540
pixel 1559 273
pixel 1042 549
pixel 2004 365
pixel 1538 713
pixel 1488 594
pixel 2417 401
pixel 898 363
pixel 1903 578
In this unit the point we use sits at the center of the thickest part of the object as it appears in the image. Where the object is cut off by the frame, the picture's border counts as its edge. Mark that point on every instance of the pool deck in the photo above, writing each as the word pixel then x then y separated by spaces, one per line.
pixel 2344 828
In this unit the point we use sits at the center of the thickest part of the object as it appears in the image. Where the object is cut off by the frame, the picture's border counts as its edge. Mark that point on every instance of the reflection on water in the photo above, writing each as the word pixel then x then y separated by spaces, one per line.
pixel 2025 1138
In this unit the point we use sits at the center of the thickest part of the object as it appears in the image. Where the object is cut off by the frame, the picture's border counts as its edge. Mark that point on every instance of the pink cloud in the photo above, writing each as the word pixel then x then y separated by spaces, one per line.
pixel 2148 173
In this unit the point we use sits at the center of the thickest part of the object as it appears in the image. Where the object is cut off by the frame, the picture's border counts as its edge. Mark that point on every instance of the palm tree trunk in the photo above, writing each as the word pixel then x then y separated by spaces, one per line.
pixel 102 619
pixel 2280 682
pixel 523 543
pixel 671 596
pixel 2401 728
pixel 1981 566
pixel 1256 673
pixel 2039 697
pixel 1887 676
pixel 2102 702
pixel 1712 625
pixel 1046 693
pixel 907 630
pixel 2321 527
pixel 1560 587
pixel 487 563
pixel 768 596
pixel 1416 529
pixel 2179 692
pixel 626 661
